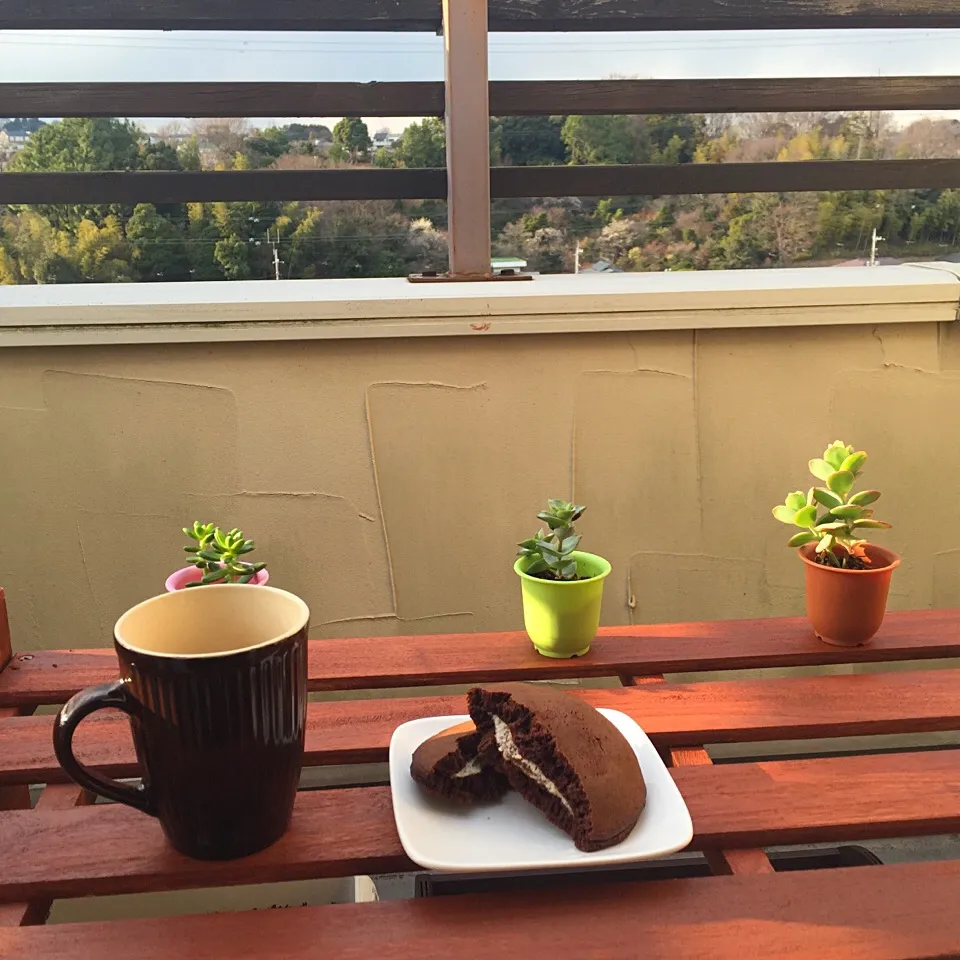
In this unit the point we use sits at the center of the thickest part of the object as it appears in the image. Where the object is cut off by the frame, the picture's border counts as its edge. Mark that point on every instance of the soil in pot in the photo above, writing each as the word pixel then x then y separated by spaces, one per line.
pixel 846 607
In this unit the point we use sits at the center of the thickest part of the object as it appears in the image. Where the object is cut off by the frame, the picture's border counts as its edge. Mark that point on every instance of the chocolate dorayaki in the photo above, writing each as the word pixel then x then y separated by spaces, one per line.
pixel 562 756
pixel 449 765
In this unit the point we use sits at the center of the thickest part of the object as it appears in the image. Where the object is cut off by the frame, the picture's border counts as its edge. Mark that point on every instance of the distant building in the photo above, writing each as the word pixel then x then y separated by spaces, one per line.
pixel 15 133
pixel 601 266
pixel 385 139
pixel 508 265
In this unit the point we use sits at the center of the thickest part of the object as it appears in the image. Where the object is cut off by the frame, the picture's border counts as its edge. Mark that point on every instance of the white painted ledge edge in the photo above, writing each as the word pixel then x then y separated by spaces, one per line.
pixel 344 309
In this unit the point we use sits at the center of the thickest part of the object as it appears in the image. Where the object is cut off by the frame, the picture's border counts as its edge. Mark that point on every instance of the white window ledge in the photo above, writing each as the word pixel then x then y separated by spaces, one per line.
pixel 341 309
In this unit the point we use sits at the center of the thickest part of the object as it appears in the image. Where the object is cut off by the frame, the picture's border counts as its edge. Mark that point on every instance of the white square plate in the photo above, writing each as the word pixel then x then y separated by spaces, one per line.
pixel 511 834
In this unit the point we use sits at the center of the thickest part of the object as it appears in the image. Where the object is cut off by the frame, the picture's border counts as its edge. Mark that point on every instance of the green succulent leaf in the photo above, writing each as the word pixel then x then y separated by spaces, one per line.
pixel 830 527
pixel 866 523
pixel 836 453
pixel 799 539
pixel 849 511
pixel 821 469
pixel 538 566
pixel 840 482
pixel 827 543
pixel 569 570
pixel 864 497
pixel 784 514
pixel 854 463
pixel 806 517
pixel 796 500
pixel 570 544
pixel 551 520
pixel 547 548
pixel 826 498
pixel 214 575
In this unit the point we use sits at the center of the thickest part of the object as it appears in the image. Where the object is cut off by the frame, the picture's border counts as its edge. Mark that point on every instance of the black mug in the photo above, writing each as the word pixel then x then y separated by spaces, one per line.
pixel 214 680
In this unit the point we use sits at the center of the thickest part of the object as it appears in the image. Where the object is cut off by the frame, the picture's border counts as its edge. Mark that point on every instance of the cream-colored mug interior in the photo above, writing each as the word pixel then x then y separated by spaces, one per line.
pixel 211 621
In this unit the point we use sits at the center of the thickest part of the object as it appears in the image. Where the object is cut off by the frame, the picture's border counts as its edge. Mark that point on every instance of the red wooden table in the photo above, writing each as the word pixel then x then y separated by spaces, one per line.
pixel 65 847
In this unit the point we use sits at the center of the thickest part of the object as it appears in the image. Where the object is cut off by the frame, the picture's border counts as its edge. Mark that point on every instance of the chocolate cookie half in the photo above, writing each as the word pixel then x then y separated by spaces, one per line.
pixel 564 757
pixel 449 764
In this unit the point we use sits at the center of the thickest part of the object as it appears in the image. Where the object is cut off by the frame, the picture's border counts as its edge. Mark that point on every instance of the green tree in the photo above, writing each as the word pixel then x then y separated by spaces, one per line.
pixel 163 156
pixel 101 252
pixel 234 257
pixel 80 144
pixel 422 144
pixel 351 141
pixel 601 139
pixel 158 249
pixel 159 156
pixel 188 153
pixel 262 149
pixel 41 253
pixel 529 141
pixel 384 158
pixel 201 240
pixel 9 269
pixel 672 137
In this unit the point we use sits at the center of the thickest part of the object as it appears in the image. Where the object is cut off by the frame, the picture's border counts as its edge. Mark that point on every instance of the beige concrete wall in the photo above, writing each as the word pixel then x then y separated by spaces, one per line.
pixel 387 481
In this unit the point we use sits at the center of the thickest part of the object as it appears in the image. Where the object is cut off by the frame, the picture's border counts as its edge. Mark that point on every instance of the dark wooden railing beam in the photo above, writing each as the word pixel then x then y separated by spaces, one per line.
pixel 423 98
pixel 706 178
pixel 511 15
pixel 230 185
pixel 559 181
pixel 507 97
pixel 827 94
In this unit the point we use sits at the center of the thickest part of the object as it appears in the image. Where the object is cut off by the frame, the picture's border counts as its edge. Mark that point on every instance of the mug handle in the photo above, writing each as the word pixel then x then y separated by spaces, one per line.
pixel 112 694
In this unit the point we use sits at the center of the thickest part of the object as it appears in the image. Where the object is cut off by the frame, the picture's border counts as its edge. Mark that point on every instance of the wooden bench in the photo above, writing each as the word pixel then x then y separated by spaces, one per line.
pixel 66 848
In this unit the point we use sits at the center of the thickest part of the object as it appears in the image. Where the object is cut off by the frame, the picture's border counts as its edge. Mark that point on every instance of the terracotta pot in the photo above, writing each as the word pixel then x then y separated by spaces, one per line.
pixel 846 607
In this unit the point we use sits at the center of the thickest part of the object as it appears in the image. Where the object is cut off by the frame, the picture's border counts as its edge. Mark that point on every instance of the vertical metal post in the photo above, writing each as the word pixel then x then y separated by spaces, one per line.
pixel 468 136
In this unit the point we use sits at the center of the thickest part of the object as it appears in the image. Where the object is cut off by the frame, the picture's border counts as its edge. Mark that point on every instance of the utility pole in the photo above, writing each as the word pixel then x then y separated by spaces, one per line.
pixel 276 255
pixel 873 247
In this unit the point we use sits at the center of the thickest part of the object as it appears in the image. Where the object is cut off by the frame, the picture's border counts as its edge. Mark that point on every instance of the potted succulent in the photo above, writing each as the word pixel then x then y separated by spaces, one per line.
pixel 562 586
pixel 848 577
pixel 215 558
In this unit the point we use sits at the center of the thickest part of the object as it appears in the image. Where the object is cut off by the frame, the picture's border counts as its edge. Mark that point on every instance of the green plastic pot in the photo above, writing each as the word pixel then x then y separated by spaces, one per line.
pixel 562 617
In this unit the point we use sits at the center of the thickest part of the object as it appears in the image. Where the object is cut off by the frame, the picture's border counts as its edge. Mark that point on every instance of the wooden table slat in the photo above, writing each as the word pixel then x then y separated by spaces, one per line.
pixel 113 849
pixel 54 676
pixel 57 797
pixel 722 862
pixel 672 714
pixel 899 912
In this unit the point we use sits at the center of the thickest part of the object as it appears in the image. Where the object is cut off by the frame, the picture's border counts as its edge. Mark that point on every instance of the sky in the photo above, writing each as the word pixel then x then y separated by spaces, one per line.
pixel 91 56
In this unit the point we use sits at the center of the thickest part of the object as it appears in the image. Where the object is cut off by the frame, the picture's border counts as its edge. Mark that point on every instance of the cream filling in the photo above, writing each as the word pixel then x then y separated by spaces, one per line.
pixel 510 753
pixel 470 770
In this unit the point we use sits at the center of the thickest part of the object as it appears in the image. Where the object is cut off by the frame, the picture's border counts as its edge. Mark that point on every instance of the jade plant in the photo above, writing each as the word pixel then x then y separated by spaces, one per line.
pixel 551 555
pixel 217 553
pixel 832 515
